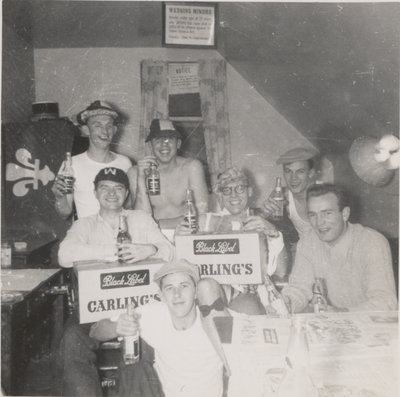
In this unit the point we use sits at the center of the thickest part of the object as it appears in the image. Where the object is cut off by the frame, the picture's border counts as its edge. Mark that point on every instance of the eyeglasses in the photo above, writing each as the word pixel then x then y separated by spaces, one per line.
pixel 227 191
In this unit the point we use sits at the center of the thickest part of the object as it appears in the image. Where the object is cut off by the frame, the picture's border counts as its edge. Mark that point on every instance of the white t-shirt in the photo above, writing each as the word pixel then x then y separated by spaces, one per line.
pixel 186 361
pixel 85 170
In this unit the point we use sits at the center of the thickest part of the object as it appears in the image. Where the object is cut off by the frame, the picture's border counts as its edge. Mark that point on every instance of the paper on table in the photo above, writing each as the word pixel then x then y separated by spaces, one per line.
pixel 256 355
pixel 361 334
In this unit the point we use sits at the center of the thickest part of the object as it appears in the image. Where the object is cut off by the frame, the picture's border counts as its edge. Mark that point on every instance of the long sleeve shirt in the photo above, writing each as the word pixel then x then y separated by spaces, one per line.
pixel 357 269
pixel 92 238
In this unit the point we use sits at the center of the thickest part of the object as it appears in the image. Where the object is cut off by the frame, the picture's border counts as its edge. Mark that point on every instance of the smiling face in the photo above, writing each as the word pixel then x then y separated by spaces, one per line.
pixel 327 220
pixel 165 148
pixel 111 195
pixel 236 197
pixel 101 130
pixel 298 176
pixel 179 293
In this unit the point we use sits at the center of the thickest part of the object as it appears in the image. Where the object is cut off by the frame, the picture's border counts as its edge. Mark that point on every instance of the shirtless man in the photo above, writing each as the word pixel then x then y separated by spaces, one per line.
pixel 299 174
pixel 176 175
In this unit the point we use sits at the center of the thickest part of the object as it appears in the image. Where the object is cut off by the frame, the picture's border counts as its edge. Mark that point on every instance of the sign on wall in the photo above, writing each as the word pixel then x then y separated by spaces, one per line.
pixel 232 258
pixel 189 24
pixel 106 288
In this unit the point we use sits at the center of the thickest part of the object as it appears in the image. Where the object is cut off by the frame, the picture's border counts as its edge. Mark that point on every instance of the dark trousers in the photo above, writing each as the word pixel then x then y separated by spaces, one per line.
pixel 77 361
pixel 78 373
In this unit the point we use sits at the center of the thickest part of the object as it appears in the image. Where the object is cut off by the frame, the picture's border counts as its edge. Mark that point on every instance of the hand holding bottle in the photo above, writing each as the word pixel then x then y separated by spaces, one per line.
pixel 130 252
pixel 128 323
pixel 64 182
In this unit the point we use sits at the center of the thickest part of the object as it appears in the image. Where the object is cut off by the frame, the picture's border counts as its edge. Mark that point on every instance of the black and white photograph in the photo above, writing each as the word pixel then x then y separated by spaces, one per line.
pixel 200 199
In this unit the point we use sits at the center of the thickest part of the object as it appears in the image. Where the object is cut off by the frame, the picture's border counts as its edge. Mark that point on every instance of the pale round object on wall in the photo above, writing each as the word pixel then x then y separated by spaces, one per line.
pixel 362 158
pixel 389 142
pixel 394 161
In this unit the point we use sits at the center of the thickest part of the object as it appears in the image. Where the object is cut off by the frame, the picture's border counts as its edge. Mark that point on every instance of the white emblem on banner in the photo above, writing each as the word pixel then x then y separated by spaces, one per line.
pixel 28 173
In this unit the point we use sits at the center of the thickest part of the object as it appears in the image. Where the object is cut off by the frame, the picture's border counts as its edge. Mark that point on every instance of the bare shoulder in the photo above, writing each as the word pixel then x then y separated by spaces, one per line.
pixel 189 163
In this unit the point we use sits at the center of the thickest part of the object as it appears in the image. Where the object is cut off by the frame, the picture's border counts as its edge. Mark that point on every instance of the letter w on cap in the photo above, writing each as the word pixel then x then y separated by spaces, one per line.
pixel 110 170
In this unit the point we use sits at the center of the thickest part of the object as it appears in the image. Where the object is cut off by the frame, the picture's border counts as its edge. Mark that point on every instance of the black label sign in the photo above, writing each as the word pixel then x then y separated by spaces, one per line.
pixel 216 247
pixel 133 278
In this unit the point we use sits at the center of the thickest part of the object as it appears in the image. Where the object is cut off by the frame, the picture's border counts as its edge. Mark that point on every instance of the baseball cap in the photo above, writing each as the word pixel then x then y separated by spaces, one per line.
pixel 230 175
pixel 297 154
pixel 112 174
pixel 162 129
pixel 177 266
pixel 97 108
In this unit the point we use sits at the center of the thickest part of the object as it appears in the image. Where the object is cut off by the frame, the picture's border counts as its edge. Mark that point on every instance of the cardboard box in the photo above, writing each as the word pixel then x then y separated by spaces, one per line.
pixel 229 258
pixel 105 288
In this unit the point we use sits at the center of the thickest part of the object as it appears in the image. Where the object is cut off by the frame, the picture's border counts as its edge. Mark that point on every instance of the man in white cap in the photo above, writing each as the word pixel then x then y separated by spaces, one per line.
pixel 189 359
pixel 299 173
pixel 176 175
pixel 99 122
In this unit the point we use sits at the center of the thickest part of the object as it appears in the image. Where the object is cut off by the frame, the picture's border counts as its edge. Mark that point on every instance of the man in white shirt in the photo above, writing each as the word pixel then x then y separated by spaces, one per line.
pixel 354 260
pixel 188 356
pixel 99 122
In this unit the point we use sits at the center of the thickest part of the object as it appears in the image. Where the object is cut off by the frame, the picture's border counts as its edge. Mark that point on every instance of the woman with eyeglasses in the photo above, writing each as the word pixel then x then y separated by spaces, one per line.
pixel 233 192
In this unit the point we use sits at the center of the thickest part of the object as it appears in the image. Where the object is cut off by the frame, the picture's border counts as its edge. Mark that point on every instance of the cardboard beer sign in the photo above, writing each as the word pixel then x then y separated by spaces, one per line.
pixel 106 288
pixel 229 258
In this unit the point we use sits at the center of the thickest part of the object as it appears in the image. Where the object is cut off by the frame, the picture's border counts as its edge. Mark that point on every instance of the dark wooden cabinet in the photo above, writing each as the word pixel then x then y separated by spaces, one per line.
pixel 31 326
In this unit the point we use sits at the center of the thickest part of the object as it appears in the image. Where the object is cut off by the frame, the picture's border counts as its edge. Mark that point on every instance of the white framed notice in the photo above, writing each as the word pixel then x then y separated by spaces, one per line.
pixel 189 24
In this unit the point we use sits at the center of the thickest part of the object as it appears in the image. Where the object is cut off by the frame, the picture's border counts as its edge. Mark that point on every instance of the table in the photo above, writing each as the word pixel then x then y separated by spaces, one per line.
pixel 349 354
pixel 31 320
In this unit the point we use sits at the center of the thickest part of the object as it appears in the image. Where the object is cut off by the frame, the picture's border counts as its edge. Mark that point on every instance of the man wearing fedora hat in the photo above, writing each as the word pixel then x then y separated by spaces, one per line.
pixel 176 175
pixel 99 122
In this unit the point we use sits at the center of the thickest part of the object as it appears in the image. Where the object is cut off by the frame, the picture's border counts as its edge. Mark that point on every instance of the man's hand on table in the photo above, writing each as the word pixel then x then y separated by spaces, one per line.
pixel 130 252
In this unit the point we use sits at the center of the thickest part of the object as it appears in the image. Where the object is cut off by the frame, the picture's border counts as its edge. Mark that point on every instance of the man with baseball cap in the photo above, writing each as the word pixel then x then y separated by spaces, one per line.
pixel 188 356
pixel 176 175
pixel 99 122
pixel 95 238
pixel 299 173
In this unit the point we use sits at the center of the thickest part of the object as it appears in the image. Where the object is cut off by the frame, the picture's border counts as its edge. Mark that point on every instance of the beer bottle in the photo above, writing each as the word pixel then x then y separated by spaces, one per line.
pixel 319 301
pixel 153 181
pixel 67 174
pixel 123 233
pixel 190 212
pixel 272 298
pixel 279 198
pixel 130 344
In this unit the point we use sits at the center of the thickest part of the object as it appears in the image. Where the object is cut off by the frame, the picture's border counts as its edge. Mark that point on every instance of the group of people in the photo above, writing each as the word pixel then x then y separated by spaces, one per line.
pixel 354 260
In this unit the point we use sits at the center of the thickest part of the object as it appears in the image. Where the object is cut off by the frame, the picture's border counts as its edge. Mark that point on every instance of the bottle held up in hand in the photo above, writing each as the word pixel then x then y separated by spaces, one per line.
pixel 279 198
pixel 123 233
pixel 153 183
pixel 190 212
pixel 67 174
pixel 319 301
pixel 130 344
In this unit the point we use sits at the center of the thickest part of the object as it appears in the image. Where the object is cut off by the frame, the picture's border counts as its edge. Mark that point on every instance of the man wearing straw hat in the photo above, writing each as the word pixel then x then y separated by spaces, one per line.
pixel 99 121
